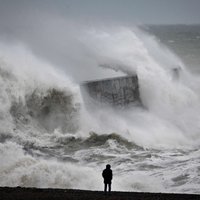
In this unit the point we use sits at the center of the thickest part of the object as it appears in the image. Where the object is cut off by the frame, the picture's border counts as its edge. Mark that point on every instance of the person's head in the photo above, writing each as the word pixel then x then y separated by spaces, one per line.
pixel 107 166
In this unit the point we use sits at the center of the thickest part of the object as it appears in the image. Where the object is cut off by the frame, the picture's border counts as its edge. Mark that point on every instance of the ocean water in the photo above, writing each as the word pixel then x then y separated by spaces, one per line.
pixel 49 138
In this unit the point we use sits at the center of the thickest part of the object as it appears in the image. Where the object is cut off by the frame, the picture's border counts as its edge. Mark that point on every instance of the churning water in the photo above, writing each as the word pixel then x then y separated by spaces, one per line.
pixel 49 138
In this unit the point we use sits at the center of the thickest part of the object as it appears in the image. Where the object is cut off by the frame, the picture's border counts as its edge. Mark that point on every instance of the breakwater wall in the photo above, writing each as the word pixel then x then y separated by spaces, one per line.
pixel 120 91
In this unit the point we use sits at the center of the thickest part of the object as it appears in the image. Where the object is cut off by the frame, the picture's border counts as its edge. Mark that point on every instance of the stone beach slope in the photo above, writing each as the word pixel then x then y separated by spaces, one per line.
pixel 19 193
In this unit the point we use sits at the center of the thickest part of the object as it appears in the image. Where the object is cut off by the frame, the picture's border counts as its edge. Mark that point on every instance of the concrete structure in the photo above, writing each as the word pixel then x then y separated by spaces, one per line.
pixel 120 91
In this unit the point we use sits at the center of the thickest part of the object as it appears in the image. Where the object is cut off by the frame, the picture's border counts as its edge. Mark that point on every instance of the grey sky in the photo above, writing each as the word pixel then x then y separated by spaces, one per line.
pixel 140 11
pixel 127 11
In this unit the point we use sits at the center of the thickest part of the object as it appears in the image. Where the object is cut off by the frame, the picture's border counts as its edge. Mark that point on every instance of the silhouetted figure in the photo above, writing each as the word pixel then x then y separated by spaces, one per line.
pixel 107 175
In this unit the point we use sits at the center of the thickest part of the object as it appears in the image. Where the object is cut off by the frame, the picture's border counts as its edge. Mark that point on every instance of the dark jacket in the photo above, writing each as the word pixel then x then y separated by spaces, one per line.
pixel 107 175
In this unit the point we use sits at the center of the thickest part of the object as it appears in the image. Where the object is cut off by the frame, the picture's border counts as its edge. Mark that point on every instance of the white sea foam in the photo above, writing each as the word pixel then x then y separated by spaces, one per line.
pixel 32 156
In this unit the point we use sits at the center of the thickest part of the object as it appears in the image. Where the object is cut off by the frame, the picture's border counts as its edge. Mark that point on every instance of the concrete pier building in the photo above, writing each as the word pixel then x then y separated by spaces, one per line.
pixel 120 91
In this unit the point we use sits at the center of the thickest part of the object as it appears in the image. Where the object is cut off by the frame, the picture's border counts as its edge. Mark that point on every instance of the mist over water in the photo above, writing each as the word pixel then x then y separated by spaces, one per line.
pixel 50 138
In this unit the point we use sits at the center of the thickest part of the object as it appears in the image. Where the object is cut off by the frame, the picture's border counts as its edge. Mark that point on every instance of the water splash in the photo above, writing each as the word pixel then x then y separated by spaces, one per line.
pixel 39 102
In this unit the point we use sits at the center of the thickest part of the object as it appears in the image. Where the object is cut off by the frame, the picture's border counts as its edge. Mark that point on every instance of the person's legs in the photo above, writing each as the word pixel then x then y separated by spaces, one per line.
pixel 109 187
pixel 105 187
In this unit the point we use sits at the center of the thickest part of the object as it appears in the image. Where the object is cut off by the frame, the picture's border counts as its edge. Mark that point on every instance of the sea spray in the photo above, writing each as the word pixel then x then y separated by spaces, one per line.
pixel 132 51
pixel 149 149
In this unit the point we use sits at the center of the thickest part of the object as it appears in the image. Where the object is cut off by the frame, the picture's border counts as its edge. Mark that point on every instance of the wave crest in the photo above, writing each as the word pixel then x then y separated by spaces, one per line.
pixel 49 110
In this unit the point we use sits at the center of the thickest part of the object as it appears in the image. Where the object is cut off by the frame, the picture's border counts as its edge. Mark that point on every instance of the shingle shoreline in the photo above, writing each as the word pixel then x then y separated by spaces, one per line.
pixel 18 193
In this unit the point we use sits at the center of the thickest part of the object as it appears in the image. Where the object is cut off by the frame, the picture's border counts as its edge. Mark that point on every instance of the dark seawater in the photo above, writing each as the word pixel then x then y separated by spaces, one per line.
pixel 48 138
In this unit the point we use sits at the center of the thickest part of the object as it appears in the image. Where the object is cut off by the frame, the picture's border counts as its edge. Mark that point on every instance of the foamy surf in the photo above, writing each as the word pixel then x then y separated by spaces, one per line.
pixel 50 139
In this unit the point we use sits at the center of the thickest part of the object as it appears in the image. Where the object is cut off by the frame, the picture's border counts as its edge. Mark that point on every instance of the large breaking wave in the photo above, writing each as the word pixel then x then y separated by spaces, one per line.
pixel 50 139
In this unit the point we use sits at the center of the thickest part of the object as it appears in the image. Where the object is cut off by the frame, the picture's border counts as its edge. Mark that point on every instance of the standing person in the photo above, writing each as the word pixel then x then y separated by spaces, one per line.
pixel 107 175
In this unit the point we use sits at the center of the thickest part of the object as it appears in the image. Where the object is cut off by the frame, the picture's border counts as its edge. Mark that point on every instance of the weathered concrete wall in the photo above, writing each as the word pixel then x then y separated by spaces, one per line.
pixel 120 91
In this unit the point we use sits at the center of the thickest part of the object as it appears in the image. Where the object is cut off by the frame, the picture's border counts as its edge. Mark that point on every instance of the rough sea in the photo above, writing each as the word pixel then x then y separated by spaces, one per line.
pixel 50 138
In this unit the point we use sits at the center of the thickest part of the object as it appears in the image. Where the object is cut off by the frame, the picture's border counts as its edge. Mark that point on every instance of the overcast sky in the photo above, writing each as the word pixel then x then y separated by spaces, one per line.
pixel 128 11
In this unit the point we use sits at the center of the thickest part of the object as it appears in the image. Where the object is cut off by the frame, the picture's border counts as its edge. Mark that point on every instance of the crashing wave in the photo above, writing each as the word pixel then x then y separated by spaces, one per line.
pixel 50 110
